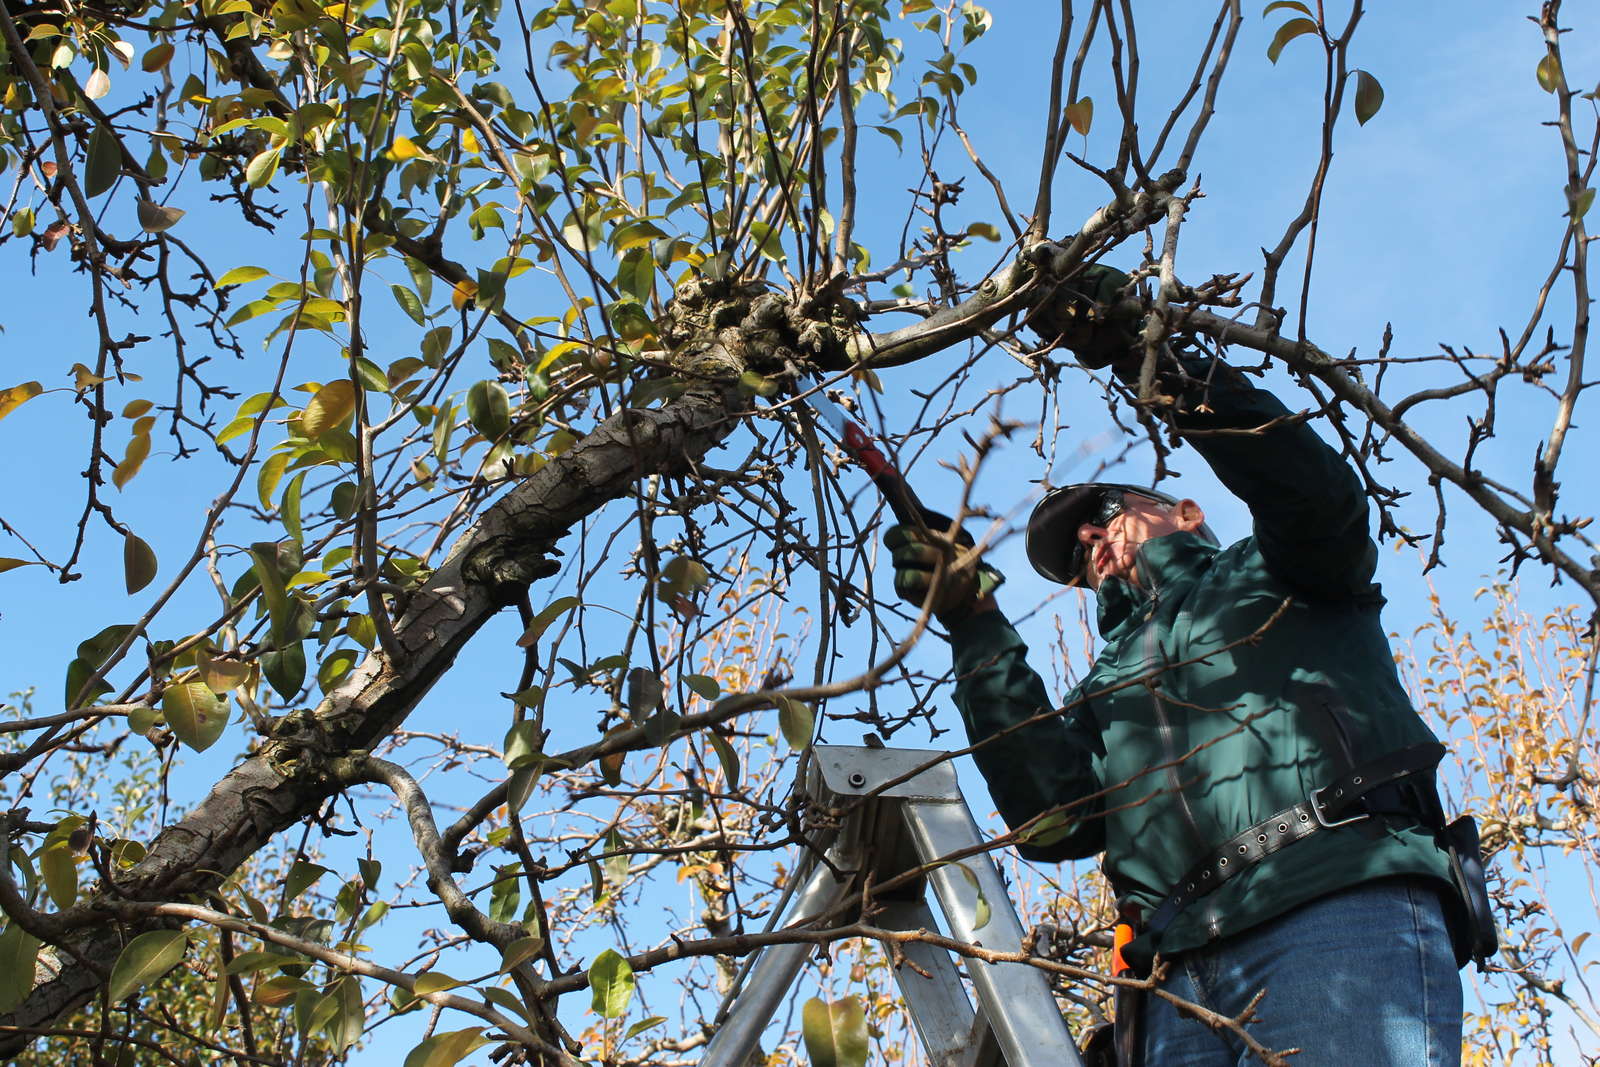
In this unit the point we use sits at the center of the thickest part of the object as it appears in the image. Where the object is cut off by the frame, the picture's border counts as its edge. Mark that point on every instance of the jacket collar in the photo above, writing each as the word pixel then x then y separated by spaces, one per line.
pixel 1166 564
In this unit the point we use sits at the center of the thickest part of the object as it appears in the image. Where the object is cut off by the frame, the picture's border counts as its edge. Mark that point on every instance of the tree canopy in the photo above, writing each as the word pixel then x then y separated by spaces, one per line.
pixel 392 323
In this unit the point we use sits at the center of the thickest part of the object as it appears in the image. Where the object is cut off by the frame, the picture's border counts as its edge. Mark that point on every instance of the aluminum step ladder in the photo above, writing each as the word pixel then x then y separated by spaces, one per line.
pixel 904 811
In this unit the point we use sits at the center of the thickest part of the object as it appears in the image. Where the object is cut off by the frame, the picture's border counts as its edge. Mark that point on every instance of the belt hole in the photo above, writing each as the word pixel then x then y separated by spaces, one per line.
pixel 1207 874
pixel 1283 828
pixel 1304 817
pixel 1223 862
pixel 1261 838
pixel 1356 780
pixel 1243 849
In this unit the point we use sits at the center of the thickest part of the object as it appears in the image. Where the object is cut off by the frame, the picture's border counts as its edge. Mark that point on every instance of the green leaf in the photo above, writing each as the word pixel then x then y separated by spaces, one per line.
pixel 769 241
pixel 409 303
pixel 644 1024
pixel 637 274
pixel 617 862
pixel 344 498
pixel 1369 96
pixel 703 685
pixel 1581 203
pixel 446 1049
pixel 147 957
pixel 268 556
pixel 138 563
pixel 104 164
pixel 19 957
pixel 520 951
pixel 285 670
pixel 981 912
pixel 60 869
pixel 92 655
pixel 541 622
pixel 1288 32
pixel 289 509
pixel 371 376
pixel 260 170
pixel 241 275
pixel 196 714
pixel 610 984
pixel 796 720
pixel 302 876
pixel 1549 73
pixel 644 692
pixel 270 474
pixel 346 1013
pixel 433 982
pixel 523 744
pixel 333 669
pixel 729 758
pixel 489 409
pixel 835 1034
pixel 253 962
pixel 503 998
pixel 1048 830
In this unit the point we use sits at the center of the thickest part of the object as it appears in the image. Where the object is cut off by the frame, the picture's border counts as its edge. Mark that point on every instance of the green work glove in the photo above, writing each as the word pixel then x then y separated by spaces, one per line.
pixel 917 553
pixel 1083 315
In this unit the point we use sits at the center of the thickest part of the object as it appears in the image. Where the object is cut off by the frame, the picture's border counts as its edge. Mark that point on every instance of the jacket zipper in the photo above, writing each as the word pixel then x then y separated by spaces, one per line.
pixel 1164 731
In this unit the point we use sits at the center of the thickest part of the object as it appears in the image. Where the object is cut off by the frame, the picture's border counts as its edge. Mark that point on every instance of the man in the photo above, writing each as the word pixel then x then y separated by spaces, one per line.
pixel 1242 750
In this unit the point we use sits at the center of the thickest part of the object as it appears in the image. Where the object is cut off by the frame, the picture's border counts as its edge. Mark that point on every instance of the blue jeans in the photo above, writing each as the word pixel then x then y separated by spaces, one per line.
pixel 1364 976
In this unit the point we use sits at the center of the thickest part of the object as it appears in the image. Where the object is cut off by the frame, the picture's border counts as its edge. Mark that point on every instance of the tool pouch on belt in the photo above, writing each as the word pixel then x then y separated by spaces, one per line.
pixel 1475 935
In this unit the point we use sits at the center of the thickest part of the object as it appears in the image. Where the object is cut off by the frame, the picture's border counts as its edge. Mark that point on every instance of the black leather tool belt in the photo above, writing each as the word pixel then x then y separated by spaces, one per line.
pixel 1377 788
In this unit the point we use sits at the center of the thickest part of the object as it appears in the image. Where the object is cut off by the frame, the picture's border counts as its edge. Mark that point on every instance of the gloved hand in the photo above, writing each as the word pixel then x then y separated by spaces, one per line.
pixel 1083 315
pixel 917 554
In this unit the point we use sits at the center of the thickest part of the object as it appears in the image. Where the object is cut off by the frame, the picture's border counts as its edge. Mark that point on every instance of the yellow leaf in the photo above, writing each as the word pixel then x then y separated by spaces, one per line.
pixel 404 148
pixel 11 399
pixel 138 451
pixel 83 378
pixel 469 141
pixel 464 291
pixel 331 405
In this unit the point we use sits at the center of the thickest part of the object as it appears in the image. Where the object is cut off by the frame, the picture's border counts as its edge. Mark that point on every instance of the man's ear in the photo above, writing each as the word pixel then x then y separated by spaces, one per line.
pixel 1189 515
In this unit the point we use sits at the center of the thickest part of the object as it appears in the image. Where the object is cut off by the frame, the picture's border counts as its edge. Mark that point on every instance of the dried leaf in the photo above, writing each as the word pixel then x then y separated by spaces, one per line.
pixel 1080 115
pixel 1288 32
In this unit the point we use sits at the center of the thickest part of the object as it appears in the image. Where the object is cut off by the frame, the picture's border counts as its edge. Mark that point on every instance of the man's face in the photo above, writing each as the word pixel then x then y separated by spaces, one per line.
pixel 1111 550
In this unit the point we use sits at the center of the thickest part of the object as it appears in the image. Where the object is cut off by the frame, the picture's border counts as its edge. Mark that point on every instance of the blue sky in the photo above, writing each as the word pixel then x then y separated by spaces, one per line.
pixel 1441 217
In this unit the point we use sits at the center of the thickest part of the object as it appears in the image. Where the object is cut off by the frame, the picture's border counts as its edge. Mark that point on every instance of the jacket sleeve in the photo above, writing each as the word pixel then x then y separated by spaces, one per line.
pixel 1041 767
pixel 1309 508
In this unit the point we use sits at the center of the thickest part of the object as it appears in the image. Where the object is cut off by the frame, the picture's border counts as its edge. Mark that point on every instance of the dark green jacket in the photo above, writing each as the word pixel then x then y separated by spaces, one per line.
pixel 1262 720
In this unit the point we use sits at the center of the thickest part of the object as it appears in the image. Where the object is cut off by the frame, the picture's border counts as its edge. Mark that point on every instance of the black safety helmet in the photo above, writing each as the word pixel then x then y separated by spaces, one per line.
pixel 1053 545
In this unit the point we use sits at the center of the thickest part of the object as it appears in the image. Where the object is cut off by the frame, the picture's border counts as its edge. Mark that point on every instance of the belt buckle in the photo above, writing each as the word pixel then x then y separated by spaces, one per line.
pixel 1315 796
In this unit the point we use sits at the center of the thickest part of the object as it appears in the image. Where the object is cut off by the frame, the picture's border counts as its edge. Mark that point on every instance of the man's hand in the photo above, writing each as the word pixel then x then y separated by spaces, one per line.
pixel 964 588
pixel 1084 315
